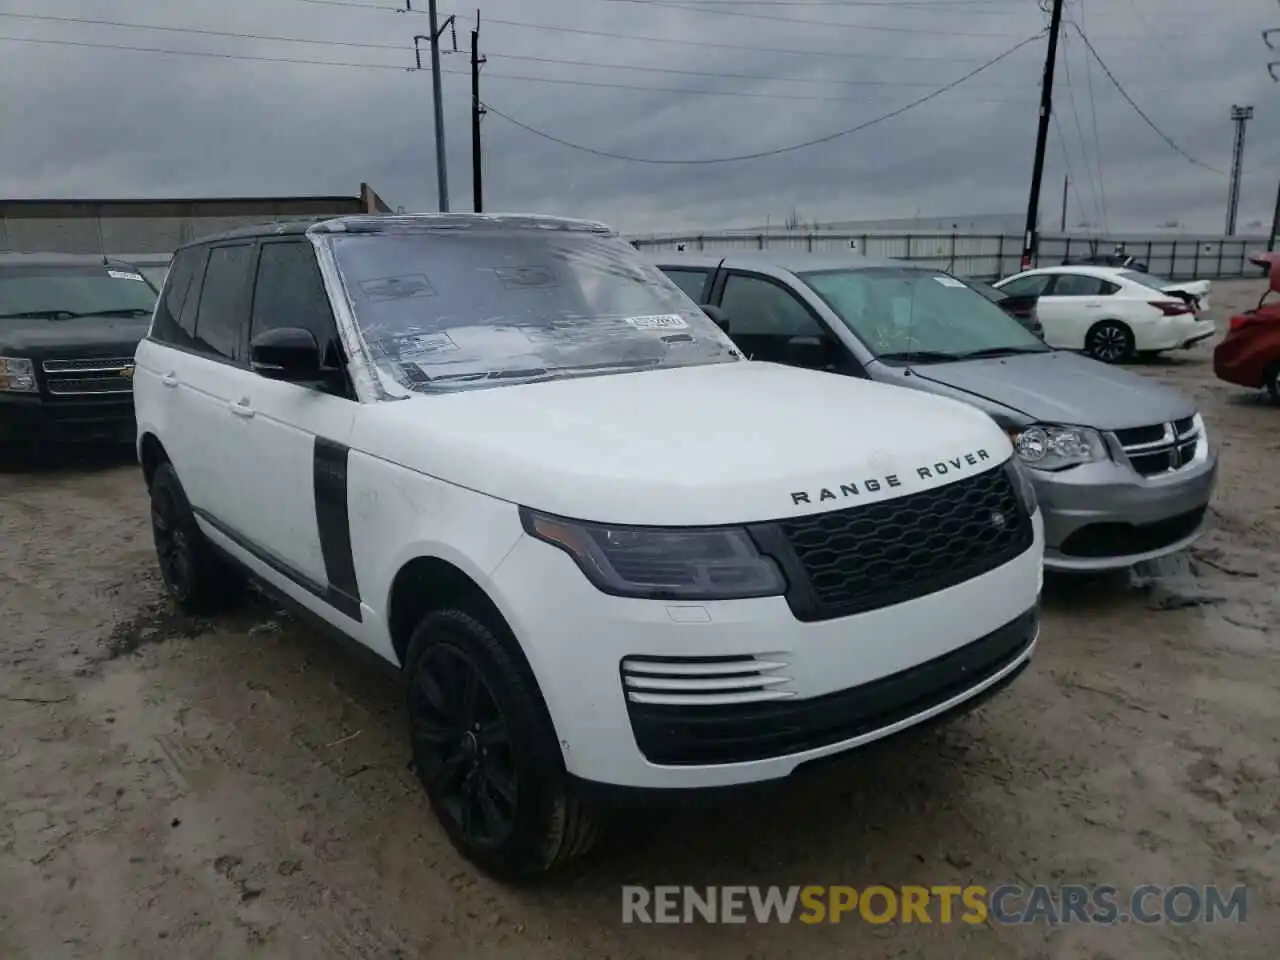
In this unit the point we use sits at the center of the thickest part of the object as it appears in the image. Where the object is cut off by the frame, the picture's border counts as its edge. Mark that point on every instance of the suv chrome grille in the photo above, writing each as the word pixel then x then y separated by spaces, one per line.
pixel 89 376
pixel 1161 448
pixel 872 556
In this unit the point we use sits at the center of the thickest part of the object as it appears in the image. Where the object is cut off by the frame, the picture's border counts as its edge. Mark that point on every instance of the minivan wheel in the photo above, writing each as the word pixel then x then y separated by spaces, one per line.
pixel 195 576
pixel 485 751
pixel 1109 341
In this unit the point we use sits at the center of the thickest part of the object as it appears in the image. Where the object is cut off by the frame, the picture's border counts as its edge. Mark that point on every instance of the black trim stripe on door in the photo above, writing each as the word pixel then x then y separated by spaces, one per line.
pixel 334 525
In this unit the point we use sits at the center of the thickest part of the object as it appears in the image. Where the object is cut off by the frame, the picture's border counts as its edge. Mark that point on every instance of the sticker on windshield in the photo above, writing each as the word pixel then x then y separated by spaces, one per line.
pixel 949 281
pixel 424 344
pixel 670 321
pixel 519 277
pixel 124 275
pixel 397 288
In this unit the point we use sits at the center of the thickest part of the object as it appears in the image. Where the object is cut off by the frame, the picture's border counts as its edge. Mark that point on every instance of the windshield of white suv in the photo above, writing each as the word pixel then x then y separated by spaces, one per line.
pixel 450 309
pixel 64 292
pixel 909 315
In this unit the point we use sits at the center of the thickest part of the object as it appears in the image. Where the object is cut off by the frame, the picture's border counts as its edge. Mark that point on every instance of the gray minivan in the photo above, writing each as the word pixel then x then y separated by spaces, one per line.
pixel 1123 466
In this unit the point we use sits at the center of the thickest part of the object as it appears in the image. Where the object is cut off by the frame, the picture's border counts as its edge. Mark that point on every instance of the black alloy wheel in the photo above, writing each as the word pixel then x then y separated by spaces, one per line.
pixel 173 546
pixel 462 746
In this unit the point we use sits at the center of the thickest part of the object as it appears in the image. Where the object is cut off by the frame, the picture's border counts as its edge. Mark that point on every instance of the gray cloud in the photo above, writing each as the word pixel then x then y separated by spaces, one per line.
pixel 81 121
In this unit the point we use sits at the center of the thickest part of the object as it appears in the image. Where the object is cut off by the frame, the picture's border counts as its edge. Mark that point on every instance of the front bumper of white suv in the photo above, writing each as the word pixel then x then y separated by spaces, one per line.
pixel 665 694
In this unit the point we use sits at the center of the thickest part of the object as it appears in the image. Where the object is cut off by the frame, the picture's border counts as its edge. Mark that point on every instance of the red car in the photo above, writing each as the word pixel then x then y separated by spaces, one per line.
pixel 1249 355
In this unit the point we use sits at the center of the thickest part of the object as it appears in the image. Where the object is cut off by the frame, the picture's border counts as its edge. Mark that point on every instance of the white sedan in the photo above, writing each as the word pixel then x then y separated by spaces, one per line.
pixel 1112 313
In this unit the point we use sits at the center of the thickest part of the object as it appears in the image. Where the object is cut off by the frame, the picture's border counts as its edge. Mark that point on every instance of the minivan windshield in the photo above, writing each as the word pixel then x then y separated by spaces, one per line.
pixel 910 315
pixel 451 309
pixel 58 292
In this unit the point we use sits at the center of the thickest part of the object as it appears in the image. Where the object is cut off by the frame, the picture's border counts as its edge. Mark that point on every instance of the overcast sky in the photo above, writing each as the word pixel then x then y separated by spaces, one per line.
pixel 84 121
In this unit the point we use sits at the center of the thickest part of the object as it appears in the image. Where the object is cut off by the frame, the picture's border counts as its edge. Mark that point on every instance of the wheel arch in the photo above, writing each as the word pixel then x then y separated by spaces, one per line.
pixel 151 453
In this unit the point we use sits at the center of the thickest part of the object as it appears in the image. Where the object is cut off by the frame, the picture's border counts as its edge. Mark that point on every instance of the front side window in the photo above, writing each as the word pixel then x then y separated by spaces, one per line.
pixel 1030 286
pixel 912 315
pixel 58 292
pixel 692 282
pixel 445 308
pixel 289 292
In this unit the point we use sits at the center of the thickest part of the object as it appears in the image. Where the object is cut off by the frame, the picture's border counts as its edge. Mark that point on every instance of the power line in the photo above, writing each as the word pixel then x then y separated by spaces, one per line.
pixel 779 150
pixel 204 53
pixel 1097 141
pixel 1084 151
pixel 925 5
pixel 1066 161
pixel 496 76
pixel 277 38
pixel 1138 110
pixel 675 5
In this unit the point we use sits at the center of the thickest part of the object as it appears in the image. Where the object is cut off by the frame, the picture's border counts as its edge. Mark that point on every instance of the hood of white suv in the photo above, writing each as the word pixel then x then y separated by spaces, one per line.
pixel 729 443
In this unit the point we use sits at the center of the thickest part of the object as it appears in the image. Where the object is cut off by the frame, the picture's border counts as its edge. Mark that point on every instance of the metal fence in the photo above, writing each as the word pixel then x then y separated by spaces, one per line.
pixel 988 256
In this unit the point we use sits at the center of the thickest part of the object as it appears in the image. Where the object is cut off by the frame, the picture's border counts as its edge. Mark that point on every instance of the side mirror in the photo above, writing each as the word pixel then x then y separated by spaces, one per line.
pixel 718 316
pixel 286 353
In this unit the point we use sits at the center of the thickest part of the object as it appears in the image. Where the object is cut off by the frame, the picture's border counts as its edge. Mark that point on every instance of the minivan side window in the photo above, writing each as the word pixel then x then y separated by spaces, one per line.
pixel 765 317
pixel 289 292
pixel 692 282
pixel 175 318
pixel 220 320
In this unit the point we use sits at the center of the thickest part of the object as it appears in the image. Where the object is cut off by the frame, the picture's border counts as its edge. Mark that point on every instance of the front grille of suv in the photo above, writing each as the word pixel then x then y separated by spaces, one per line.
pixel 88 377
pixel 868 557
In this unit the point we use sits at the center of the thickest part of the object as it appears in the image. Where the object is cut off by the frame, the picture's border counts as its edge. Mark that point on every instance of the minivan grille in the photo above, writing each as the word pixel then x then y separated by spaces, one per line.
pixel 872 556
pixel 1162 447
pixel 86 377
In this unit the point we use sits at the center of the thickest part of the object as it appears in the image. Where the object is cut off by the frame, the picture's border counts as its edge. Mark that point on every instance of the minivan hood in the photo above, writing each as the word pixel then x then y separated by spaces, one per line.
pixel 728 443
pixel 1062 387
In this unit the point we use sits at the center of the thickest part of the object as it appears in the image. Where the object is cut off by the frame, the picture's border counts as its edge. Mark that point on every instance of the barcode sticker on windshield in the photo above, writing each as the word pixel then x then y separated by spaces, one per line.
pixel 949 281
pixel 122 275
pixel 670 321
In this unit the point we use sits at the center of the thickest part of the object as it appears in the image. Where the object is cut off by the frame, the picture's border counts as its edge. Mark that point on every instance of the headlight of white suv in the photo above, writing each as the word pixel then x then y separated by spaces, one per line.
pixel 1048 447
pixel 689 563
pixel 17 375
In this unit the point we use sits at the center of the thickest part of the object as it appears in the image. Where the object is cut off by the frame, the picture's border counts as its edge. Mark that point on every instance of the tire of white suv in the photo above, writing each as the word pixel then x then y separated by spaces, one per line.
pixel 196 577
pixel 486 753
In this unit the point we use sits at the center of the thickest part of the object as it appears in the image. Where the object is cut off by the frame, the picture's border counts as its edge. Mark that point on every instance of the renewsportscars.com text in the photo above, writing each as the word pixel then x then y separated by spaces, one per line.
pixel 1005 904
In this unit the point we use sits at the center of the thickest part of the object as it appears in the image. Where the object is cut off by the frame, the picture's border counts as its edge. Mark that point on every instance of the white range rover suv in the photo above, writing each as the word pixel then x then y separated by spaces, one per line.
pixel 508 455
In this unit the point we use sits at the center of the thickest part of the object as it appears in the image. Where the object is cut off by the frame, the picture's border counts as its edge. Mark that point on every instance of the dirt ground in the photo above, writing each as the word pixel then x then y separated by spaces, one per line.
pixel 240 788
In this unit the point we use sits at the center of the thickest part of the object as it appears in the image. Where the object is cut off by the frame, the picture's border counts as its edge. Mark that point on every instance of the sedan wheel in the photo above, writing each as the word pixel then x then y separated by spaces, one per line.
pixel 1110 342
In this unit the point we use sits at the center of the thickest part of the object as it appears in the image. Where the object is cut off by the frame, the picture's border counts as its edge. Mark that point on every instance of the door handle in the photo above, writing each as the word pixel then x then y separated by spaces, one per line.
pixel 241 408
pixel 169 380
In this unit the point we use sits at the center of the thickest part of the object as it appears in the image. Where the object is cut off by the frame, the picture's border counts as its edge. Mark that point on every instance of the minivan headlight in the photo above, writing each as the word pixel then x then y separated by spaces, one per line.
pixel 17 375
pixel 1047 447
pixel 660 563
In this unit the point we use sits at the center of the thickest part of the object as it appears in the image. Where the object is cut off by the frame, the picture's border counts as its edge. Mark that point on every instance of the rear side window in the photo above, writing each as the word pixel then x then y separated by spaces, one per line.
pixel 289 292
pixel 220 320
pixel 175 317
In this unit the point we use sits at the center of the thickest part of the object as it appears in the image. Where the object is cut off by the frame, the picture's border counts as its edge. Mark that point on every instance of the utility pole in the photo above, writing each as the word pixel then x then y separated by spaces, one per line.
pixel 1031 238
pixel 1275 225
pixel 437 28
pixel 477 113
pixel 1066 182
pixel 1241 116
